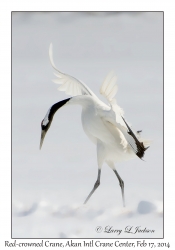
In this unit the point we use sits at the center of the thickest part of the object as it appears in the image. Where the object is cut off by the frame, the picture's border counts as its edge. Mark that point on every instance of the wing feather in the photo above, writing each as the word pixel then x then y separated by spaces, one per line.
pixel 109 89
pixel 63 87
pixel 111 86
pixel 139 146
pixel 106 82
pixel 69 84
pixel 57 81
pixel 112 92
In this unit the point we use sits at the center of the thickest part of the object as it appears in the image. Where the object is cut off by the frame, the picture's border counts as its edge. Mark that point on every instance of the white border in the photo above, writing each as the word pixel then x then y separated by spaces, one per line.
pixel 5 94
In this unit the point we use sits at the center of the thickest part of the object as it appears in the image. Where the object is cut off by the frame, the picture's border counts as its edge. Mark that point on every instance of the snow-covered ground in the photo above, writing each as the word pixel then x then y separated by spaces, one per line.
pixel 50 186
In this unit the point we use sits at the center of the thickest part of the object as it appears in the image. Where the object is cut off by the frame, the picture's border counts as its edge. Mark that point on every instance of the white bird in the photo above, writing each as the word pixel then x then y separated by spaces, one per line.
pixel 104 124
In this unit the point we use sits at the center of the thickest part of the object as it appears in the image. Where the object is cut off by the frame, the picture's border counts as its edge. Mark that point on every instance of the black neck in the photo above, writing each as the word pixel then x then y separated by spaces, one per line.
pixel 55 107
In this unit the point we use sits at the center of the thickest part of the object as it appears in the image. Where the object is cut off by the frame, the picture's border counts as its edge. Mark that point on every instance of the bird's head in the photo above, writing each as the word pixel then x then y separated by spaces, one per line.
pixel 46 122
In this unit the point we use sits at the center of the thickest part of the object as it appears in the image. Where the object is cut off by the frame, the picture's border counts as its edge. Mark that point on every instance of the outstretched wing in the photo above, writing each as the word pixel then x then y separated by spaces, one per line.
pixel 109 87
pixel 69 84
pixel 108 90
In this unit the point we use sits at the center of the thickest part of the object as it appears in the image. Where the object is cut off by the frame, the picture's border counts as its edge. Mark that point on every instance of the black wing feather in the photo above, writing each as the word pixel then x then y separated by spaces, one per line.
pixel 140 147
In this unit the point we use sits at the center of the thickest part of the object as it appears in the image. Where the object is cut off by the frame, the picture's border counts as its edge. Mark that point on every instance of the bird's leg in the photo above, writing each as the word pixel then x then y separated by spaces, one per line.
pixel 97 183
pixel 121 183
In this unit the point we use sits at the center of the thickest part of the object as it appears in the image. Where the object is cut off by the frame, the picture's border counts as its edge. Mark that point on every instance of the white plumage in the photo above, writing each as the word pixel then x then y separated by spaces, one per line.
pixel 109 86
pixel 69 84
pixel 104 124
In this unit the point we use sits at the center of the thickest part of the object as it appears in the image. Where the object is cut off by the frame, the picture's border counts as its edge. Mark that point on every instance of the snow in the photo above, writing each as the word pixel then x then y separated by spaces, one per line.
pixel 50 186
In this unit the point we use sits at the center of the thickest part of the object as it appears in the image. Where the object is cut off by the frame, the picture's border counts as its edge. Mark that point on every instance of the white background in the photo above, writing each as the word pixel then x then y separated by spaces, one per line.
pixel 5 65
